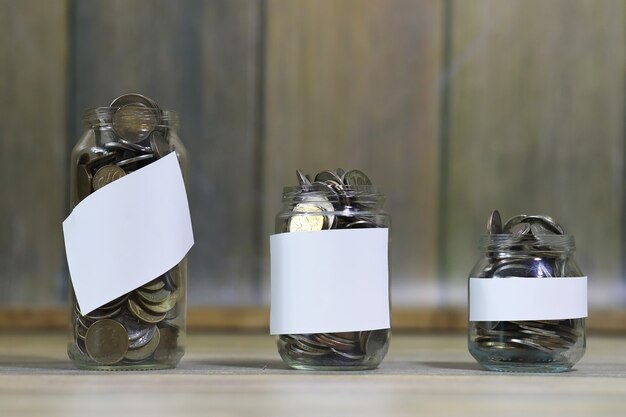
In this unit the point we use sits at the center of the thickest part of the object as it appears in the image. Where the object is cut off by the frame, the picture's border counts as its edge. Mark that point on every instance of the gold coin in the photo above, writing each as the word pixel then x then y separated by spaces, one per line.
pixel 142 314
pixel 161 307
pixel 106 342
pixel 155 284
pixel 168 350
pixel 145 351
pixel 106 175
pixel 306 222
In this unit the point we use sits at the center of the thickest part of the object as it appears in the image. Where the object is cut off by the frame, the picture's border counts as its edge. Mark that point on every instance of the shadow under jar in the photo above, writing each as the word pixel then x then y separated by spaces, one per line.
pixel 543 343
pixel 334 201
pixel 145 328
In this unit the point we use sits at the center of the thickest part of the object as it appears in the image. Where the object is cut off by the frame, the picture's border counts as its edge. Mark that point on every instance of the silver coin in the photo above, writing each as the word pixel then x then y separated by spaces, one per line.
pixel 494 224
pixel 135 159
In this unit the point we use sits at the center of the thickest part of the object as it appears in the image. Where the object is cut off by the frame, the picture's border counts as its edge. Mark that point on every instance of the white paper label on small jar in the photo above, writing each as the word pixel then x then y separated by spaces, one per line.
pixel 513 299
pixel 128 233
pixel 329 281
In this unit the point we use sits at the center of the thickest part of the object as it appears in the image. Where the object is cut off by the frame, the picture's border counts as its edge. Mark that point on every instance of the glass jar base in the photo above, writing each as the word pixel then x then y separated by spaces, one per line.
pixel 332 368
pixel 110 368
pixel 527 367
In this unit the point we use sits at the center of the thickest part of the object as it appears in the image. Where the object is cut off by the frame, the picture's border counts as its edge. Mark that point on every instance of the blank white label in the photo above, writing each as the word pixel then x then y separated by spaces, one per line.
pixel 128 233
pixel 329 281
pixel 510 299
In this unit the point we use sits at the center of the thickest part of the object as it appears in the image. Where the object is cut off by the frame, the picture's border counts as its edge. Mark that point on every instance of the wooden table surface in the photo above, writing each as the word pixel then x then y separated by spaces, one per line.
pixel 242 375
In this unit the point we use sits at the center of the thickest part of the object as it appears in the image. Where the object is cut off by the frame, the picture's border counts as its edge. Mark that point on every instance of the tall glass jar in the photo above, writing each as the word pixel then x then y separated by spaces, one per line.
pixel 335 201
pixel 527 302
pixel 145 328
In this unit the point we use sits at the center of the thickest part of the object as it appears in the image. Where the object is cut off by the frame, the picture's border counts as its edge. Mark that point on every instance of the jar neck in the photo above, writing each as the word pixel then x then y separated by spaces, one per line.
pixel 527 244
pixel 103 117
pixel 342 197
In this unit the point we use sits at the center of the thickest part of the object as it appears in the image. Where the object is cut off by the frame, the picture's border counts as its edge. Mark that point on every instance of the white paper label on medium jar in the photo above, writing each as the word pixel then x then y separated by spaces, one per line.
pixel 512 298
pixel 128 233
pixel 329 281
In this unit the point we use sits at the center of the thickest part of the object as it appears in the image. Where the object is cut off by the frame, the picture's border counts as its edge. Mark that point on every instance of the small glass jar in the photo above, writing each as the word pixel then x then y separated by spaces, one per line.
pixel 144 329
pixel 537 344
pixel 329 205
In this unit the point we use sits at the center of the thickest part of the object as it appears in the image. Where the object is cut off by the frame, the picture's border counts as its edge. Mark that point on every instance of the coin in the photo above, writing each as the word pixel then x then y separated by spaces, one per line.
pixel 106 342
pixel 134 122
pixel 162 307
pixel 157 296
pixel 134 98
pixel 356 178
pixel 494 224
pixel 302 179
pixel 159 144
pixel 135 159
pixel 328 176
pixel 138 311
pixel 168 349
pixel 306 222
pixel 106 175
pixel 145 351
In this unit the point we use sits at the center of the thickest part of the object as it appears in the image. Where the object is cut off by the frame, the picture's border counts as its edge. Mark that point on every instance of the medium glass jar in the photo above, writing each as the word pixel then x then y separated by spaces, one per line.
pixel 527 299
pixel 145 328
pixel 335 201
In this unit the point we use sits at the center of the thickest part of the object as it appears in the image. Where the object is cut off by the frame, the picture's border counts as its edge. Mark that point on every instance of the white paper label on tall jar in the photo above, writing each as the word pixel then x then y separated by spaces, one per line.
pixel 513 298
pixel 329 281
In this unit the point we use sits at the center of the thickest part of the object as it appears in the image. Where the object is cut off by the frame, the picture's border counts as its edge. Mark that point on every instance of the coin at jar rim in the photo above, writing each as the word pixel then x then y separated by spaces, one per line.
pixel 134 122
pixel 324 176
pixel 356 178
pixel 494 223
pixel 106 175
pixel 547 223
pixel 106 342
pixel 146 350
pixel 520 229
pixel 134 98
pixel 99 314
pixel 361 224
pixel 306 222
pixel 302 179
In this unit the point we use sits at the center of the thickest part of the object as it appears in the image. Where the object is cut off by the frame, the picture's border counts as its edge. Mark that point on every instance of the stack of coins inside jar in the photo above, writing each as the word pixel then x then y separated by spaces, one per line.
pixel 143 328
pixel 528 246
pixel 332 200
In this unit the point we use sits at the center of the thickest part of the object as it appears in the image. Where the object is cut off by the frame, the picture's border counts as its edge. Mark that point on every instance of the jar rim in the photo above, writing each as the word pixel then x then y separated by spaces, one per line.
pixel 555 243
pixel 102 116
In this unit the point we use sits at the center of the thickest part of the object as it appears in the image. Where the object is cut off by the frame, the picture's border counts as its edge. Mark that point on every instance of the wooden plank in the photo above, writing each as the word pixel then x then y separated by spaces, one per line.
pixel 33 52
pixel 199 58
pixel 256 319
pixel 353 84
pixel 536 126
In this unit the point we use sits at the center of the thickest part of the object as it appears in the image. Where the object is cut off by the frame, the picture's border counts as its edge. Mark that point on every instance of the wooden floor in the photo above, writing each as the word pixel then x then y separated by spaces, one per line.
pixel 242 375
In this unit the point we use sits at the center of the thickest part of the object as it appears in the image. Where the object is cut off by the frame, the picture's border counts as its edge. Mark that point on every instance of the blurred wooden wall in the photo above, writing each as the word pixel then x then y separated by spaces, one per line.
pixel 453 107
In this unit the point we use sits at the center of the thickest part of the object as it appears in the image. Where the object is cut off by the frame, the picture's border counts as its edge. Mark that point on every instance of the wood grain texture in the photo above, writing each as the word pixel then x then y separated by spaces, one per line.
pixel 536 126
pixel 353 84
pixel 200 59
pixel 241 375
pixel 33 53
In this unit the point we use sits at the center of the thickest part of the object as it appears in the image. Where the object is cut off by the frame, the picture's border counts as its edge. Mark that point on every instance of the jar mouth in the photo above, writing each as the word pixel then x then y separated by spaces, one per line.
pixel 99 117
pixel 321 192
pixel 527 243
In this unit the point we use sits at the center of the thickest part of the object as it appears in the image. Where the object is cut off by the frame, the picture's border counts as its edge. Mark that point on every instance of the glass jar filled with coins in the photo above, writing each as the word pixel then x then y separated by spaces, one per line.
pixel 334 201
pixel 145 328
pixel 527 297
